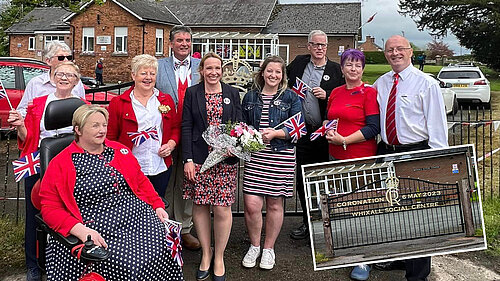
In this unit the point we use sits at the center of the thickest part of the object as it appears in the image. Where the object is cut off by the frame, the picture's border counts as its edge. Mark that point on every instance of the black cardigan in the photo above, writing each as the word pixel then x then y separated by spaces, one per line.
pixel 194 120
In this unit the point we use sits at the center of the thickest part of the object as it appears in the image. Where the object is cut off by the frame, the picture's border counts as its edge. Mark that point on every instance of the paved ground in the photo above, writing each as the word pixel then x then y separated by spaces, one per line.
pixel 294 262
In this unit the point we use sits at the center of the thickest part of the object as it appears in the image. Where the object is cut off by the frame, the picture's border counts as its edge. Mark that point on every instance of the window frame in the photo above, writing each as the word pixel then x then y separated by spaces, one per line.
pixel 124 39
pixel 31 39
pixel 159 47
pixel 86 38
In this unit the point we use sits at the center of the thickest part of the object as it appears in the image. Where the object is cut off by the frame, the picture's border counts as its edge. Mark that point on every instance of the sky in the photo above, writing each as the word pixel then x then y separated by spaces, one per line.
pixel 382 26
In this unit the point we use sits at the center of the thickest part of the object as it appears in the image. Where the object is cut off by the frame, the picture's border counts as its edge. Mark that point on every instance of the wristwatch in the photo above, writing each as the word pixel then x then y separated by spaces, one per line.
pixel 188 160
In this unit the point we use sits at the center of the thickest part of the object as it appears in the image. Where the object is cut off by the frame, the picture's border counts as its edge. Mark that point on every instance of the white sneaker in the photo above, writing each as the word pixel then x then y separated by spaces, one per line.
pixel 250 258
pixel 268 259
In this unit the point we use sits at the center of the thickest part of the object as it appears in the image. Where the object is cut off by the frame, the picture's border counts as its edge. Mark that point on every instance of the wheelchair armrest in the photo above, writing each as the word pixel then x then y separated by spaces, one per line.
pixel 68 242
pixel 165 202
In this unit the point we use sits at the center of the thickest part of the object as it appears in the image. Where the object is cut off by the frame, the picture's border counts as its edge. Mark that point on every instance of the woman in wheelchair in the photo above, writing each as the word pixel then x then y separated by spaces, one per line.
pixel 95 187
pixel 30 131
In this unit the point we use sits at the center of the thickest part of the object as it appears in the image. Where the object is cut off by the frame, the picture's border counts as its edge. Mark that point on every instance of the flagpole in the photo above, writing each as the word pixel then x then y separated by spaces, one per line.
pixel 286 120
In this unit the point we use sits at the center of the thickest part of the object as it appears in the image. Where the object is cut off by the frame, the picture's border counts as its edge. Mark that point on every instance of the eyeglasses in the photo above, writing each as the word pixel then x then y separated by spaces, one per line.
pixel 399 49
pixel 61 58
pixel 318 45
pixel 69 76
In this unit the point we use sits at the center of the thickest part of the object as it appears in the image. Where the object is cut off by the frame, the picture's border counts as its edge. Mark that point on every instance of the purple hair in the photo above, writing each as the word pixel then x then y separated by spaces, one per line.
pixel 353 55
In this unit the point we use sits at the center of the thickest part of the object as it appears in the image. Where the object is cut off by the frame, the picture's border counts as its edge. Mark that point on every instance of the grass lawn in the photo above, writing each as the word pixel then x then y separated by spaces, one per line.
pixel 373 71
pixel 11 247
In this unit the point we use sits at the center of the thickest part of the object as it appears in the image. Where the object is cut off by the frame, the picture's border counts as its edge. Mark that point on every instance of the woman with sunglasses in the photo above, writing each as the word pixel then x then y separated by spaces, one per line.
pixel 30 131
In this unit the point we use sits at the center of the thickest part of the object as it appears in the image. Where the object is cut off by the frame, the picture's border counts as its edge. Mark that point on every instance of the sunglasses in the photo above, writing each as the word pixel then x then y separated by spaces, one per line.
pixel 61 58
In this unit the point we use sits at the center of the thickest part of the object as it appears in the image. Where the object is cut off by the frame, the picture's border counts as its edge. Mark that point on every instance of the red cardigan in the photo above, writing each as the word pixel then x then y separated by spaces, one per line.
pixel 32 123
pixel 122 120
pixel 58 206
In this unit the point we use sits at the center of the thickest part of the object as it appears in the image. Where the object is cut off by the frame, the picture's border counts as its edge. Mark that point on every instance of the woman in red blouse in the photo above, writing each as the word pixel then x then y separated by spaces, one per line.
pixel 355 106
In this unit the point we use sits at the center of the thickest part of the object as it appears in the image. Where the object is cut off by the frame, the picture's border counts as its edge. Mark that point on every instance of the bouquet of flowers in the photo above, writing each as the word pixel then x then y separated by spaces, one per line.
pixel 236 139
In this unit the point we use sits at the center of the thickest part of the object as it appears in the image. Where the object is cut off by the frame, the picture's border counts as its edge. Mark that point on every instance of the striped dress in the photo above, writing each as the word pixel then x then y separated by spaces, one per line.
pixel 269 173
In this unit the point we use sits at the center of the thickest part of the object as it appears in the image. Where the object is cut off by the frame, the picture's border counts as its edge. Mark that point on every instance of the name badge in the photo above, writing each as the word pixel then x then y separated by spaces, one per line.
pixel 227 101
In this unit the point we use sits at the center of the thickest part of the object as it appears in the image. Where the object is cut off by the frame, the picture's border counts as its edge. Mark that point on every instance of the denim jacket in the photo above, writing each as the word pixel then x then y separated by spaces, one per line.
pixel 282 107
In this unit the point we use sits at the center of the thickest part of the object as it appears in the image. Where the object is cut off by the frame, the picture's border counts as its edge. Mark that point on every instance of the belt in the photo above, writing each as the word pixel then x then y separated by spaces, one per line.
pixel 395 147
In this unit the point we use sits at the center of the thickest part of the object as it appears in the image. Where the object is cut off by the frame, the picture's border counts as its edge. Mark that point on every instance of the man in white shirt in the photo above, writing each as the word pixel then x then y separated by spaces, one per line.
pixel 42 85
pixel 412 117
pixel 175 74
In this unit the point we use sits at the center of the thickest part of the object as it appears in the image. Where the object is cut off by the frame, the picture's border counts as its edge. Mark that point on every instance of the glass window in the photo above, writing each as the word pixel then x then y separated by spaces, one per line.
pixel 30 72
pixel 50 38
pixel 31 45
pixel 121 39
pixel 8 76
pixel 88 39
pixel 459 74
pixel 159 42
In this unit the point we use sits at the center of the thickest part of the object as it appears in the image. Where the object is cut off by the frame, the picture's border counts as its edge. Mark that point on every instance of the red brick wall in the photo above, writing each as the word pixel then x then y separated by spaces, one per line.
pixel 116 66
pixel 19 45
pixel 298 45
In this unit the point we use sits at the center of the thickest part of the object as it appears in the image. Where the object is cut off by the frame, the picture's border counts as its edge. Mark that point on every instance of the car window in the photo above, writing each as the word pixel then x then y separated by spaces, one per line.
pixel 459 74
pixel 8 76
pixel 30 72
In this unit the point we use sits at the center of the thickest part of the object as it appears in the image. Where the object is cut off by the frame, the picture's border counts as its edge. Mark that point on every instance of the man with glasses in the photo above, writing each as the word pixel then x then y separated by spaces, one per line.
pixel 322 75
pixel 412 117
pixel 175 74
pixel 42 85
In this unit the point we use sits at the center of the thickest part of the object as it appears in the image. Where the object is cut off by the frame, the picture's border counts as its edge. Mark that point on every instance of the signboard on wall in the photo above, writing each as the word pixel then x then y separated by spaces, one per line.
pixel 103 40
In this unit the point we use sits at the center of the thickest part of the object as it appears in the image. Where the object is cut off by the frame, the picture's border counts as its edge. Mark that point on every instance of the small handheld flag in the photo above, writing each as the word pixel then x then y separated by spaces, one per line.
pixel 3 94
pixel 27 166
pixel 173 232
pixel 296 126
pixel 140 137
pixel 330 125
pixel 300 88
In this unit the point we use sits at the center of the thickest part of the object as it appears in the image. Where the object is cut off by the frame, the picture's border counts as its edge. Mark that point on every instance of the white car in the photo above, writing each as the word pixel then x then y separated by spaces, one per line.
pixel 468 82
pixel 449 96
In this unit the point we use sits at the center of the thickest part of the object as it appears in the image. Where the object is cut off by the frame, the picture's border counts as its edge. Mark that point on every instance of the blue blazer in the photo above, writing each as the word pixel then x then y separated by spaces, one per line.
pixel 165 80
pixel 194 120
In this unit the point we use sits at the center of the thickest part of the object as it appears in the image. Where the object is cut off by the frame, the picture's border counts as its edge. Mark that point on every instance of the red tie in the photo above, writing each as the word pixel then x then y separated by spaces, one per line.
pixel 390 118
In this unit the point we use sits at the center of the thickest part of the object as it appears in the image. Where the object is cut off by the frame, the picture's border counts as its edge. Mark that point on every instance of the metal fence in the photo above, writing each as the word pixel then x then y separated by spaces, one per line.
pixel 471 124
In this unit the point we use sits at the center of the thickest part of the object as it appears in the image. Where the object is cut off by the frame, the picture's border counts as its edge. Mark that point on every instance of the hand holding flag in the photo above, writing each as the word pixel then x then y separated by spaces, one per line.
pixel 295 126
pixel 330 125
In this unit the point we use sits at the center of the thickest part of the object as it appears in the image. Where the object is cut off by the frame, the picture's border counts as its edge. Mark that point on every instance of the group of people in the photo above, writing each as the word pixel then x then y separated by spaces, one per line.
pixel 109 182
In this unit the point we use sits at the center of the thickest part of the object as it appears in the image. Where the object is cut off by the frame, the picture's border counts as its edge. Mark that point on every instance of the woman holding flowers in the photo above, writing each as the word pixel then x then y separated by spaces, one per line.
pixel 270 173
pixel 210 102
pixel 145 120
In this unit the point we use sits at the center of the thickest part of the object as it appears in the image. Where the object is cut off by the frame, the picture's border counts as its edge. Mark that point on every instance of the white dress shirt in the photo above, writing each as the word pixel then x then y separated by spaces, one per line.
pixel 183 72
pixel 147 153
pixel 420 111
pixel 41 86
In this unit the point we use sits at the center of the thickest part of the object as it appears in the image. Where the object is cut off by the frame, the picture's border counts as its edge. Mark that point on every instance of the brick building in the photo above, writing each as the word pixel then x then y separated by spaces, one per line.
pixel 369 45
pixel 118 30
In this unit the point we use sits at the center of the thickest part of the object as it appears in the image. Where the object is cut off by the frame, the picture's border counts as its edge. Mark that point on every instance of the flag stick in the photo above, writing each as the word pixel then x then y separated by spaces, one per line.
pixel 300 112
pixel 4 92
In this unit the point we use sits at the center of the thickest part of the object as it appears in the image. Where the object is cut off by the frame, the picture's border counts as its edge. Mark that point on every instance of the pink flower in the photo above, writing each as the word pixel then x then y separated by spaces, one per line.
pixel 239 130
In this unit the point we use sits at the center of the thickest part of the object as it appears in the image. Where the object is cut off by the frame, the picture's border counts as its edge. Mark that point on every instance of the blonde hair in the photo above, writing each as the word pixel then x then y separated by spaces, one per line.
pixel 145 60
pixel 202 63
pixel 258 81
pixel 82 114
pixel 68 63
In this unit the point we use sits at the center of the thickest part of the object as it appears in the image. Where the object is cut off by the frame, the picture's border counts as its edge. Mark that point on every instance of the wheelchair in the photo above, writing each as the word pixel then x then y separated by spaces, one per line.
pixel 59 114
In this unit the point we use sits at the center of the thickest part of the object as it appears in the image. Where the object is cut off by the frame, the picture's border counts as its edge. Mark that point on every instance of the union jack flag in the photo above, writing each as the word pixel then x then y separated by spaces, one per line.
pixel 3 93
pixel 331 125
pixel 139 137
pixel 27 166
pixel 173 230
pixel 296 126
pixel 300 88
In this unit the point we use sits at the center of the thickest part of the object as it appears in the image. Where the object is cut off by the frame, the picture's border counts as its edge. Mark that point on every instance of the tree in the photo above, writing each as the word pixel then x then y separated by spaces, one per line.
pixel 436 47
pixel 476 23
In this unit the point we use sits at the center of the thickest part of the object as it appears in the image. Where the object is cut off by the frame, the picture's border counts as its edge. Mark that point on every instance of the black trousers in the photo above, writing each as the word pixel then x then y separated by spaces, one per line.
pixel 416 269
pixel 308 152
pixel 30 223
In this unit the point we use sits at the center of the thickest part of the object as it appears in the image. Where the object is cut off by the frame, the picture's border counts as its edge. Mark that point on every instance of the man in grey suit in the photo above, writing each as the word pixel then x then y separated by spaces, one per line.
pixel 175 74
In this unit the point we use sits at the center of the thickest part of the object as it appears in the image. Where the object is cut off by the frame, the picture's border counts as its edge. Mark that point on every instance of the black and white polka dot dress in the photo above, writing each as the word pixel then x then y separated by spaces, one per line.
pixel 134 234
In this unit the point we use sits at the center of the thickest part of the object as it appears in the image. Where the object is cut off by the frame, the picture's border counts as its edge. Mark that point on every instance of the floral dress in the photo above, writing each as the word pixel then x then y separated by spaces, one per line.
pixel 135 235
pixel 217 185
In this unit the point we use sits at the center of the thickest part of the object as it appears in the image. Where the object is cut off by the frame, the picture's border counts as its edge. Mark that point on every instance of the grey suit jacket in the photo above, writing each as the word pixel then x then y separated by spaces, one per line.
pixel 165 80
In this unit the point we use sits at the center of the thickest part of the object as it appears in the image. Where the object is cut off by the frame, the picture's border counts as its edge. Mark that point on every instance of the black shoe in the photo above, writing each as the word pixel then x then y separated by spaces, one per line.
pixel 219 278
pixel 33 274
pixel 392 265
pixel 300 233
pixel 202 274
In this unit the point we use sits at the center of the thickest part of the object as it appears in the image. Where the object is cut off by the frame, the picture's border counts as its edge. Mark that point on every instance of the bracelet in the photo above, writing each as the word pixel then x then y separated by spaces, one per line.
pixel 344 144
